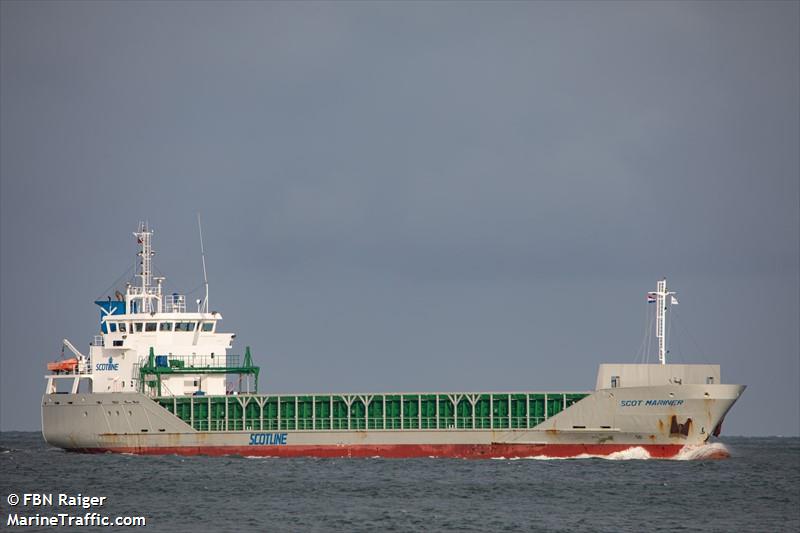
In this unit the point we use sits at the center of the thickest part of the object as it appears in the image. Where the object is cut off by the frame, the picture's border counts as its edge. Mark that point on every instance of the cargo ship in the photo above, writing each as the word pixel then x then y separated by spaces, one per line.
pixel 158 378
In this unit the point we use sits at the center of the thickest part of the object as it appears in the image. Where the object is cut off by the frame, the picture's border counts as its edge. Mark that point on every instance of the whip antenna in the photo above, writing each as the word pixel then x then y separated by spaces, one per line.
pixel 203 258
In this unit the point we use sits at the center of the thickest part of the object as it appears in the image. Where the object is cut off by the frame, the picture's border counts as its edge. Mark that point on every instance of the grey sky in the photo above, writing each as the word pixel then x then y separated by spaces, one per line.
pixel 412 196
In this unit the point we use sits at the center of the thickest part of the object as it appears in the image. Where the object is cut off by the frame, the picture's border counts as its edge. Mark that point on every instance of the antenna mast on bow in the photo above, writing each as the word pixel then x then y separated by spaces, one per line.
pixel 661 295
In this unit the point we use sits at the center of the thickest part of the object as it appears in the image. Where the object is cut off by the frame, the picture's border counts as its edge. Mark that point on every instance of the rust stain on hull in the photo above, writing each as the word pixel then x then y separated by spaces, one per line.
pixel 676 429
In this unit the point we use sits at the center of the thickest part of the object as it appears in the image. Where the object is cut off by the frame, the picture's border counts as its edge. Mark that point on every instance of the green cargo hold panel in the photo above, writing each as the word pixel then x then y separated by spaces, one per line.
pixel 441 411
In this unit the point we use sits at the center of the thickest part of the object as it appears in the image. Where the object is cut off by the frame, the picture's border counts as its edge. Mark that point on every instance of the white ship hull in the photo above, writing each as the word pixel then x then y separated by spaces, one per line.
pixel 662 420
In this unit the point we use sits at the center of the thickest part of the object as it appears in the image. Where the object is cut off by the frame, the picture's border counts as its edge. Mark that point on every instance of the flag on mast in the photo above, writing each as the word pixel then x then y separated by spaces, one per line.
pixel 651 297
pixel 674 301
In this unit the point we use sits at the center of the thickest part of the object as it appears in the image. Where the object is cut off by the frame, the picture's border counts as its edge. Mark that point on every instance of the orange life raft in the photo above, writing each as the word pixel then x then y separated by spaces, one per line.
pixel 65 365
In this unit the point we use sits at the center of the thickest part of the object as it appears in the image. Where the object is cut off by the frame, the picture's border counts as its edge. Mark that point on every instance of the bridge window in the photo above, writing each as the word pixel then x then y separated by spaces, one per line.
pixel 138 327
pixel 208 326
pixel 112 327
pixel 184 326
pixel 122 327
pixel 150 326
pixel 165 326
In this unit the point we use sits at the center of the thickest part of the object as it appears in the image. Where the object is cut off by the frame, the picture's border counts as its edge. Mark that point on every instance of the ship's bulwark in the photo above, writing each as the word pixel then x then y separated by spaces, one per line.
pixel 660 420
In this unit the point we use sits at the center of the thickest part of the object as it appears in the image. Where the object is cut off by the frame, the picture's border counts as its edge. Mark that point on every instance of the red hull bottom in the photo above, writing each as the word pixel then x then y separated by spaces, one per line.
pixel 461 451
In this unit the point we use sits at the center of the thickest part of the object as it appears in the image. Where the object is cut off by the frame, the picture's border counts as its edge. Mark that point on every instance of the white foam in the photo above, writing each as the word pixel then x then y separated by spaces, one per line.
pixel 700 452
pixel 632 453
pixel 636 452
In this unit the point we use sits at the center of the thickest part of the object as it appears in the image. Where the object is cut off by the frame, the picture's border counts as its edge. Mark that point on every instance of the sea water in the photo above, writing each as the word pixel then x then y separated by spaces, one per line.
pixel 757 488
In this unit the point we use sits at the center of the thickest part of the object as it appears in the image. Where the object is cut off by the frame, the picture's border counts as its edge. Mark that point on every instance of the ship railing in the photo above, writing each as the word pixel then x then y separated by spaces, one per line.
pixel 85 366
pixel 98 340
pixel 175 303
pixel 150 371
pixel 197 361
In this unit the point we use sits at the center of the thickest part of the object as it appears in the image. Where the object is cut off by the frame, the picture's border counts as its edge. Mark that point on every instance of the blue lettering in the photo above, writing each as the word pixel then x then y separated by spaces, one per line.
pixel 650 403
pixel 270 439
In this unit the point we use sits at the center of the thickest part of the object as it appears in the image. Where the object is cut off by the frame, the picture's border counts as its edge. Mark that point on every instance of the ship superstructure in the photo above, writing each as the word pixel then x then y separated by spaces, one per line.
pixel 157 379
pixel 149 342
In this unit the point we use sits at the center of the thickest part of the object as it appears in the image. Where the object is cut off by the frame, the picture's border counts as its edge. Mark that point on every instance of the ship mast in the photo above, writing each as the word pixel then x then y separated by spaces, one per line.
pixel 661 295
pixel 145 249
pixel 145 293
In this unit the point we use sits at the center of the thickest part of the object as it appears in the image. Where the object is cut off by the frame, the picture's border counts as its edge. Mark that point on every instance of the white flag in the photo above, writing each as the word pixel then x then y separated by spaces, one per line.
pixel 674 300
